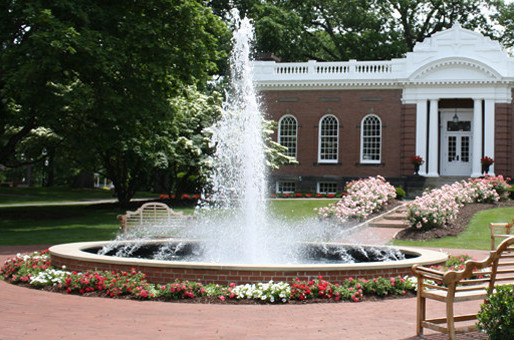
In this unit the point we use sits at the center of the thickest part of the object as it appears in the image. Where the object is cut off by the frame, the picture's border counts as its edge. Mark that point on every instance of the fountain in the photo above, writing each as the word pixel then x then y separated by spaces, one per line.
pixel 235 240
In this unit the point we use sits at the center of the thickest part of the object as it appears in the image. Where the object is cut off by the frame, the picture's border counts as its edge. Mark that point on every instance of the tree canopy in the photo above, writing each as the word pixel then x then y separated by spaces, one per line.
pixel 100 75
pixel 331 30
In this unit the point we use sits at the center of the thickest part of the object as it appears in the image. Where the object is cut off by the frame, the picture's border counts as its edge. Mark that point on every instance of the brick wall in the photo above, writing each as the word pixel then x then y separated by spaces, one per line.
pixel 350 107
pixel 226 276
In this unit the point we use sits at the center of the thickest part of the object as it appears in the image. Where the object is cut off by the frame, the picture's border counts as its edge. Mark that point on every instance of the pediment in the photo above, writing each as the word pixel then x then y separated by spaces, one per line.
pixel 455 70
pixel 457 39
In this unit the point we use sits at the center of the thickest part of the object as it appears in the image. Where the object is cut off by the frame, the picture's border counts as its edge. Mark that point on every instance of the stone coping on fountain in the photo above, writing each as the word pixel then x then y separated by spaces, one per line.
pixel 73 256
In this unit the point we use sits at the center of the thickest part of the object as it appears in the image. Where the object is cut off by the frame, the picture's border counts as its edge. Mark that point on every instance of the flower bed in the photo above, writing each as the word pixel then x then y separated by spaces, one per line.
pixel 35 270
pixel 441 206
pixel 364 197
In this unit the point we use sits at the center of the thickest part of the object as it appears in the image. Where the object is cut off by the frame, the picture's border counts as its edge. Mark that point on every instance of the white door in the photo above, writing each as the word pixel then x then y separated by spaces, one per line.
pixel 456 142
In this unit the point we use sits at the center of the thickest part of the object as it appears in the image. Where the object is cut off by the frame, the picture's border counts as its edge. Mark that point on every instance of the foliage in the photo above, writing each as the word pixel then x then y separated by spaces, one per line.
pixel 34 269
pixel 417 20
pixel 475 236
pixel 365 196
pixel 440 206
pixel 185 140
pixel 400 193
pixel 505 18
pixel 332 30
pixel 496 316
pixel 100 76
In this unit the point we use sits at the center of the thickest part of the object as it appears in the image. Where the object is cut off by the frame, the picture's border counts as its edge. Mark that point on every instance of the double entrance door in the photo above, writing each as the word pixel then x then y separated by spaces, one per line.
pixel 456 142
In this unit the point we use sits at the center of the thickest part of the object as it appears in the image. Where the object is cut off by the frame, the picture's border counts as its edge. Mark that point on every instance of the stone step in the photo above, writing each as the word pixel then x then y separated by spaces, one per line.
pixel 396 216
pixel 386 223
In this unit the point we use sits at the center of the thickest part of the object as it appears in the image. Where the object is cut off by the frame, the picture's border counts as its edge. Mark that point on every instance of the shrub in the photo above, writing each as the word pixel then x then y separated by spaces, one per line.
pixel 496 316
pixel 365 196
pixel 400 193
pixel 441 206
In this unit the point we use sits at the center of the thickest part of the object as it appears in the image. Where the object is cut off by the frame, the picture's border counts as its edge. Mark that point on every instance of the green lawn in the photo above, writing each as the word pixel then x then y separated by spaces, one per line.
pixel 56 194
pixel 297 209
pixel 476 236
pixel 58 224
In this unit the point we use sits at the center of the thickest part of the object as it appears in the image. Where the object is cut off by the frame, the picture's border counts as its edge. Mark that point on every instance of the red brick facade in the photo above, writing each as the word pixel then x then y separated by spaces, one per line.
pixel 350 107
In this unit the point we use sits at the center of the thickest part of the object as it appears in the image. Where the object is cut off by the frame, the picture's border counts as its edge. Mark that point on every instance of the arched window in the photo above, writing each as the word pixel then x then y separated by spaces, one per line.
pixel 328 144
pixel 371 139
pixel 288 134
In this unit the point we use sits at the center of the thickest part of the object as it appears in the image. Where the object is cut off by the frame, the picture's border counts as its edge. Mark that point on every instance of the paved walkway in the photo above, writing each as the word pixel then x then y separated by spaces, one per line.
pixel 34 314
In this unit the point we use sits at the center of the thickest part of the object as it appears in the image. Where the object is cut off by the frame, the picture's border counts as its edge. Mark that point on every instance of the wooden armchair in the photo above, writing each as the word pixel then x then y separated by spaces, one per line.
pixel 457 286
pixel 501 231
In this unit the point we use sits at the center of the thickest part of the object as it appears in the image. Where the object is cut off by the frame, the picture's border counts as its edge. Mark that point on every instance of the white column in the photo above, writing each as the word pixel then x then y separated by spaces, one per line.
pixel 489 122
pixel 476 167
pixel 421 133
pixel 433 142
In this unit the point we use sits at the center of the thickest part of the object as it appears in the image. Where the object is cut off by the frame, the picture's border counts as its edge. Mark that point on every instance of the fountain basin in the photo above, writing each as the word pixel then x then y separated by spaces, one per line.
pixel 75 257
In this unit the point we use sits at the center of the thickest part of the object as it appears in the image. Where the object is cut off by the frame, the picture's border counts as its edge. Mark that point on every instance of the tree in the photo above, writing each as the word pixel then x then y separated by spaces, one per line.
pixel 333 30
pixel 420 19
pixel 505 17
pixel 186 140
pixel 100 75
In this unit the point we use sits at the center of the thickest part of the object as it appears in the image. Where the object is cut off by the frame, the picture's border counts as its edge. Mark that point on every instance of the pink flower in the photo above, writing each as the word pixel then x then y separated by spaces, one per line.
pixel 222 298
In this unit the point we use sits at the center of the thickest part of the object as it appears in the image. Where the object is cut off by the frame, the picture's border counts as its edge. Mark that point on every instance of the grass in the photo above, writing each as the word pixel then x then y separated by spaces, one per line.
pixel 297 209
pixel 56 194
pixel 55 224
pixel 476 235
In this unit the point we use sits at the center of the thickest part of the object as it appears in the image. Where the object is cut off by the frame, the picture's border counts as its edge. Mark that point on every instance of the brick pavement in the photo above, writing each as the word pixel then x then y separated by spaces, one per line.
pixel 34 314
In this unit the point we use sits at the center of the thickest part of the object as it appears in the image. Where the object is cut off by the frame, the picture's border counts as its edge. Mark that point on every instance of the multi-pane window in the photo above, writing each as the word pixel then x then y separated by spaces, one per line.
pixel 286 187
pixel 327 187
pixel 371 139
pixel 328 139
pixel 287 134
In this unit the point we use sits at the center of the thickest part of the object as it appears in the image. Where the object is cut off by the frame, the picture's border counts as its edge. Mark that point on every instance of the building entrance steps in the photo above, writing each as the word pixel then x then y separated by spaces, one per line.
pixel 395 218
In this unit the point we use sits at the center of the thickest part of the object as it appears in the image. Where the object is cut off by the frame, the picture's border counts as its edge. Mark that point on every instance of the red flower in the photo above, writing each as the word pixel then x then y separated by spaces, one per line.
pixel 487 160
pixel 417 160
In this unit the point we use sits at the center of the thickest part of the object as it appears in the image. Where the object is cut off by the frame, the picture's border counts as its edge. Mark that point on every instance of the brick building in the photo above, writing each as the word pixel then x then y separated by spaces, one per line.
pixel 449 101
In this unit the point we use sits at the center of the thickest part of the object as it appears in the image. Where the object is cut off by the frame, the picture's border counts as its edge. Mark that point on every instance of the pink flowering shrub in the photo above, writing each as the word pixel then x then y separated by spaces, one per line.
pixel 441 206
pixel 364 197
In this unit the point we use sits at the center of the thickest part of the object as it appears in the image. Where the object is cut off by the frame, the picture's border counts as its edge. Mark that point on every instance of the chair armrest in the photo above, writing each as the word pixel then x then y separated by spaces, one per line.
pixel 427 273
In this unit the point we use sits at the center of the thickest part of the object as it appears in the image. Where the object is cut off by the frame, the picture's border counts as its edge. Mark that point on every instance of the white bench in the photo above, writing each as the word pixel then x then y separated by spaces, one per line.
pixel 154 216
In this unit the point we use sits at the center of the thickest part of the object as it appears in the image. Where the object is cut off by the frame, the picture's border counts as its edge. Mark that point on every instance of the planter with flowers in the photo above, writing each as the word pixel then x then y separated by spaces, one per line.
pixel 416 161
pixel 486 164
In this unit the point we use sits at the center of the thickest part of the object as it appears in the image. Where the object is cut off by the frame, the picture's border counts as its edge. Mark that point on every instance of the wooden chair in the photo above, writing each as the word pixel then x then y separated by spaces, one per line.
pixel 154 215
pixel 501 231
pixel 466 285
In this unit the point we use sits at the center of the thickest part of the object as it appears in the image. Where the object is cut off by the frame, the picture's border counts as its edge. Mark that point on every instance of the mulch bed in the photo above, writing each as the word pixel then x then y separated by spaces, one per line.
pixel 454 228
